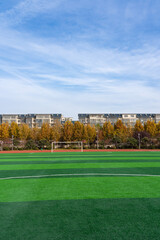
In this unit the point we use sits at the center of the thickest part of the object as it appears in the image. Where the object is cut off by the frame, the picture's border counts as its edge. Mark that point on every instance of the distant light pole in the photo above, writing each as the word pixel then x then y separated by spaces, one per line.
pixel 97 139
pixel 12 142
pixel 139 140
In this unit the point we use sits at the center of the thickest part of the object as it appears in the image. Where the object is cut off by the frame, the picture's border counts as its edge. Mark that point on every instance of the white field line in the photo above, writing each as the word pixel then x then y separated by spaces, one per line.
pixel 65 156
pixel 81 155
pixel 80 174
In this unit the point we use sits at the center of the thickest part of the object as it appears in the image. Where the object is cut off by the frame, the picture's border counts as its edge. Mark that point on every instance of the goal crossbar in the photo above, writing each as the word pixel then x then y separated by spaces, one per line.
pixel 53 144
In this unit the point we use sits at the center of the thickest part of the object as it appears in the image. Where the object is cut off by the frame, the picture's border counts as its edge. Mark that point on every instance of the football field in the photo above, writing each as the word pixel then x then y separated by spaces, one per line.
pixel 80 196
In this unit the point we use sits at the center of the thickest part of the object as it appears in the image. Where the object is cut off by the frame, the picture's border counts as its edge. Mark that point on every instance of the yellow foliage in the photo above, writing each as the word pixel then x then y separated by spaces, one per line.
pixel 120 130
pixel 150 127
pixel 34 133
pixel 68 131
pixel 4 131
pixel 78 131
pixel 89 133
pixel 14 130
pixel 56 132
pixel 138 127
pixel 24 131
pixel 107 130
pixel 45 131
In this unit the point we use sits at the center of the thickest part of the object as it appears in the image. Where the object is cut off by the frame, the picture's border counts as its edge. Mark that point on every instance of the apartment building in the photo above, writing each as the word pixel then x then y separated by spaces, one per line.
pixel 129 118
pixel 9 118
pixel 37 120
pixel 31 120
pixel 113 117
pixel 100 119
pixel 65 119
pixel 51 119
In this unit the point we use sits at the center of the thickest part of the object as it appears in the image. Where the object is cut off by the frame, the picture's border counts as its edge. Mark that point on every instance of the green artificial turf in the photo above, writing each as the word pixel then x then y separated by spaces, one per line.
pixel 51 172
pixel 80 207
pixel 79 188
pixel 113 219
pixel 79 155
pixel 80 165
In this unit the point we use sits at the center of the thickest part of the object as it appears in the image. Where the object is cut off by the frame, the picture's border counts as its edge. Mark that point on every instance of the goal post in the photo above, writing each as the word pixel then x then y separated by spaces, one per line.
pixel 67 145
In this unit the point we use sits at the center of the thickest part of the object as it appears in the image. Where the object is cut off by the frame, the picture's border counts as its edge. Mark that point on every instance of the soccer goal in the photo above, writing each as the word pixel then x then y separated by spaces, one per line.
pixel 67 145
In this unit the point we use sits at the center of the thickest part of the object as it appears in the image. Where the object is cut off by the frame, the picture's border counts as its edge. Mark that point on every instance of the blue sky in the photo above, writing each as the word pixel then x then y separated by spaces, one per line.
pixel 70 57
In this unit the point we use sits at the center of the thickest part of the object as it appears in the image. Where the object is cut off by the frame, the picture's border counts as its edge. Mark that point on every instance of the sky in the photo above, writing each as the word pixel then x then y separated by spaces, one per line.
pixel 70 57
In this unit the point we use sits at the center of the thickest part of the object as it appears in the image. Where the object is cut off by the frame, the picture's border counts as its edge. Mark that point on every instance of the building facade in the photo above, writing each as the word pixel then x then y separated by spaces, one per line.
pixel 32 120
pixel 127 119
pixel 36 120
pixel 65 119
pixel 9 118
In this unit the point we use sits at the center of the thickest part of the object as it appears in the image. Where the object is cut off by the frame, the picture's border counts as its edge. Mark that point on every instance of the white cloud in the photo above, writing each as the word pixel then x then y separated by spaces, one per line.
pixel 39 73
pixel 143 63
pixel 27 9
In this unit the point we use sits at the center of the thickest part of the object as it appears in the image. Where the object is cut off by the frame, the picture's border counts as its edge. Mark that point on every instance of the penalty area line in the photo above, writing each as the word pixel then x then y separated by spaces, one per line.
pixel 80 174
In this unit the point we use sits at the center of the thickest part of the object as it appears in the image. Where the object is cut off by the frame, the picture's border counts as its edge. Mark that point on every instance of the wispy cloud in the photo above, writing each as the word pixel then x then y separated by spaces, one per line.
pixel 27 9
pixel 47 74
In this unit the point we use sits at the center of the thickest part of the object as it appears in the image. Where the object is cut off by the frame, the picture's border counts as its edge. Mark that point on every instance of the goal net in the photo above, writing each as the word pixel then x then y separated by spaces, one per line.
pixel 67 145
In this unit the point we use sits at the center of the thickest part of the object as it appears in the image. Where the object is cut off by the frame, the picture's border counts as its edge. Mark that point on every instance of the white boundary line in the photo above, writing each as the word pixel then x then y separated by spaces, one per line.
pixel 80 174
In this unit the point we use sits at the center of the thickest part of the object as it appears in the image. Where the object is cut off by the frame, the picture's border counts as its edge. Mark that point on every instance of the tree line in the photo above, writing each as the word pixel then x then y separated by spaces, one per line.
pixel 118 135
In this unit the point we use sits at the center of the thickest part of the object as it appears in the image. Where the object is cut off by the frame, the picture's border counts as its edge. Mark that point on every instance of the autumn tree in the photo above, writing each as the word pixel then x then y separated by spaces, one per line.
pixel 4 131
pixel 107 130
pixel 56 132
pixel 158 128
pixel 85 134
pixel 68 131
pixel 24 131
pixel 138 127
pixel 89 133
pixel 45 131
pixel 150 127
pixel 78 131
pixel 34 133
pixel 120 130
pixel 14 130
pixel 130 131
